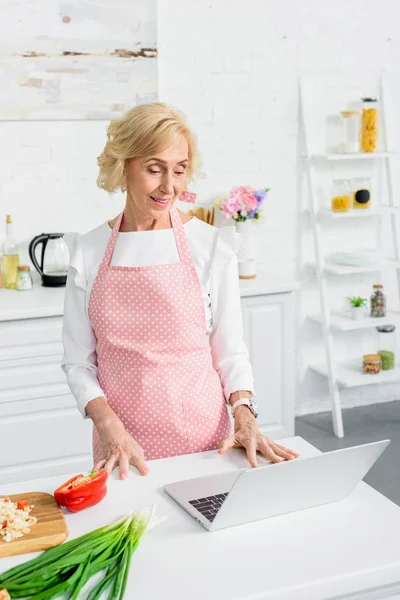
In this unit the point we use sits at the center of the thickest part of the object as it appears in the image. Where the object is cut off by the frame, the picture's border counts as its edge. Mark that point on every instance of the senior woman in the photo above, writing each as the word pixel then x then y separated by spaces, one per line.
pixel 153 347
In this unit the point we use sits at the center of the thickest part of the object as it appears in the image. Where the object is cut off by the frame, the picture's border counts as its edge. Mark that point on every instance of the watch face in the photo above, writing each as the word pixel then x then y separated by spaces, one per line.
pixel 254 407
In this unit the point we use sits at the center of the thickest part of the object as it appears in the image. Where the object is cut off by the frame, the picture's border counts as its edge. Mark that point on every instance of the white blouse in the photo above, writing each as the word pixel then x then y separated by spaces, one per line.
pixel 213 252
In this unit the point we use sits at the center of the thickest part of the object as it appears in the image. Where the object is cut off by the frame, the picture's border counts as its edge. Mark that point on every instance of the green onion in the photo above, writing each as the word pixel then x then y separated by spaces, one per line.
pixel 68 567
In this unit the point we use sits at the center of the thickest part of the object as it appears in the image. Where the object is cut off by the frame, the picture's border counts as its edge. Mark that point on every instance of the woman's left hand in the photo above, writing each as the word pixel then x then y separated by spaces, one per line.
pixel 247 436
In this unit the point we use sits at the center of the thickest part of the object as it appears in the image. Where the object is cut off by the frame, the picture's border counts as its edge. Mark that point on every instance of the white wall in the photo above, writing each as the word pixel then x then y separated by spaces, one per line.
pixel 233 67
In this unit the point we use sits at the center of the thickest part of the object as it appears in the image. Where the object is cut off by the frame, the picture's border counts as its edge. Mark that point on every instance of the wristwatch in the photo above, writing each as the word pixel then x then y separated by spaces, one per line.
pixel 252 406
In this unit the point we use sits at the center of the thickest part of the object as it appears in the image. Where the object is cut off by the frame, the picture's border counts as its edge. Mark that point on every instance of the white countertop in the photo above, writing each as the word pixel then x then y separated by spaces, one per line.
pixel 49 302
pixel 346 547
pixel 266 283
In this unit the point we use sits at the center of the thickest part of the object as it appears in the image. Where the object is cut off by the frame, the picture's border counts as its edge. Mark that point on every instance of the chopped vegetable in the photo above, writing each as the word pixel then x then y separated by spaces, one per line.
pixel 15 519
pixel 4 595
pixel 82 491
pixel 68 567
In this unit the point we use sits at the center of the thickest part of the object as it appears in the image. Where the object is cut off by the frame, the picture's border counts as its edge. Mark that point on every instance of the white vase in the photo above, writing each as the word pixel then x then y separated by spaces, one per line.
pixel 357 313
pixel 247 251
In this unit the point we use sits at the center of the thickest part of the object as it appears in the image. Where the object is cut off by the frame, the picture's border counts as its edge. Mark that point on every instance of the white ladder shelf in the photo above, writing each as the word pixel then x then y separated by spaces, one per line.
pixel 346 375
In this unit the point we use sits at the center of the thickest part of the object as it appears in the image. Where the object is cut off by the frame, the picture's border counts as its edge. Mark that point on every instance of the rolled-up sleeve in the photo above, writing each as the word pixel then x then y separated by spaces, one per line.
pixel 229 352
pixel 79 361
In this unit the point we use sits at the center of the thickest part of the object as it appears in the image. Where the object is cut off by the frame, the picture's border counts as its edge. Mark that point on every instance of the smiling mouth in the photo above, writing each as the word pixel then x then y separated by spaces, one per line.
pixel 160 200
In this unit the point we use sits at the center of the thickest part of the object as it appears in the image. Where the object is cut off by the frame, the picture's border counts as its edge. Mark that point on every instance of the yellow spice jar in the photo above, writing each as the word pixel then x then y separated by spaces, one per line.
pixel 340 196
pixel 369 125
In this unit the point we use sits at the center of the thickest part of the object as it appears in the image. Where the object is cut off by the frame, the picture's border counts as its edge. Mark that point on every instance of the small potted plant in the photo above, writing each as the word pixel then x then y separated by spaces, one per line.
pixel 358 306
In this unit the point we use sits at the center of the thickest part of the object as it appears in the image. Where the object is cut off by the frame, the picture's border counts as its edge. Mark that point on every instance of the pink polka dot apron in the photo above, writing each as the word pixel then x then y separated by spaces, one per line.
pixel 153 354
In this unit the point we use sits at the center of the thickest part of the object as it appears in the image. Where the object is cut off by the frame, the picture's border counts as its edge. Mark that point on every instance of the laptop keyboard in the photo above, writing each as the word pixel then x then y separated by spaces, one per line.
pixel 209 506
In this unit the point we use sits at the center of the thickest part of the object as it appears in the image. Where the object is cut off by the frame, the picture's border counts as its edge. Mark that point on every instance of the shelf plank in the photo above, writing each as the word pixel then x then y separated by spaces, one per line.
pixel 355 213
pixel 325 213
pixel 334 269
pixel 344 322
pixel 349 374
pixel 350 156
pixel 386 208
pixel 394 263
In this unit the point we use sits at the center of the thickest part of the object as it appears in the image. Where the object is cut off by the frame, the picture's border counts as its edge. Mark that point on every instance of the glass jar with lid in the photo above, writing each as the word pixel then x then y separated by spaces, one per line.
pixel 24 279
pixel 340 195
pixel 369 124
pixel 350 131
pixel 361 192
pixel 378 301
pixel 371 364
pixel 387 346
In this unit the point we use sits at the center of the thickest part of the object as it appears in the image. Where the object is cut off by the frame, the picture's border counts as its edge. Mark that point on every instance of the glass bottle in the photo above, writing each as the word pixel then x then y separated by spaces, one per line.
pixel 387 346
pixel 340 200
pixel 361 192
pixel 369 124
pixel 10 256
pixel 378 301
pixel 24 278
pixel 350 131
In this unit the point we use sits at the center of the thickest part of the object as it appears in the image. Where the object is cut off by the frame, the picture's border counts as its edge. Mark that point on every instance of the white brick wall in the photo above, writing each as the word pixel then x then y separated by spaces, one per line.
pixel 233 67
pixel 244 62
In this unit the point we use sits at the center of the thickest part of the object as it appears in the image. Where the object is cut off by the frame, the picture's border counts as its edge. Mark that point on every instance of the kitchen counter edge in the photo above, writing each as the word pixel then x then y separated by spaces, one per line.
pixel 49 302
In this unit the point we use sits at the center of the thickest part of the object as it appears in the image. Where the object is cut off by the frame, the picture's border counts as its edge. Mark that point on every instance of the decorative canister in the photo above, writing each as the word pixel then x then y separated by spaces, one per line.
pixel 371 364
pixel 24 278
pixel 247 251
pixel 387 346
pixel 369 124
pixel 361 191
pixel 340 195
pixel 351 131
pixel 378 301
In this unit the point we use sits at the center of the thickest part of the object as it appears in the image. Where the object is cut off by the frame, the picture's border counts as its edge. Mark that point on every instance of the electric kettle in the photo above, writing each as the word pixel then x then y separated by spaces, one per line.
pixel 54 260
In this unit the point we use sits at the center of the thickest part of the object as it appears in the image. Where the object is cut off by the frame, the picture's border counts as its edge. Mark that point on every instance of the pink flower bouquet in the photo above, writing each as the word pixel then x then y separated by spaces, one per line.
pixel 242 203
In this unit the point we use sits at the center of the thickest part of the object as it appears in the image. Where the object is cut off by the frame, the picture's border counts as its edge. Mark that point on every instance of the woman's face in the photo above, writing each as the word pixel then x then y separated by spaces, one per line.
pixel 154 182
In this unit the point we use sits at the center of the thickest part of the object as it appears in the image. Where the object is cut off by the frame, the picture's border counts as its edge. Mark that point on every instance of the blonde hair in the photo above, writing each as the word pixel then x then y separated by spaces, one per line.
pixel 141 131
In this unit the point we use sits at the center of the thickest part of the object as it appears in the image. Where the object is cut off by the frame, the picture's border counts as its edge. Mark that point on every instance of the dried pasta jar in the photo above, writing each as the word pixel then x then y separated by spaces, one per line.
pixel 369 125
pixel 378 301
pixel 361 192
pixel 387 346
pixel 340 195
pixel 350 131
pixel 371 364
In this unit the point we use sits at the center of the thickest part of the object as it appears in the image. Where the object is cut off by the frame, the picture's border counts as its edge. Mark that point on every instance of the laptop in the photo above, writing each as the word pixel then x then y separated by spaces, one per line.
pixel 238 497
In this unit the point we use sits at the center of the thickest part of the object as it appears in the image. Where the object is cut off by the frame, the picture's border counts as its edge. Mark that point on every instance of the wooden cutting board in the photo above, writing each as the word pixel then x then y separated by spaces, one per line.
pixel 50 530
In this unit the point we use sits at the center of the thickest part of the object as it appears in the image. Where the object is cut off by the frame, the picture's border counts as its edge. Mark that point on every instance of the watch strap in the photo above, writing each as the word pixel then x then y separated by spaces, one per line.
pixel 243 402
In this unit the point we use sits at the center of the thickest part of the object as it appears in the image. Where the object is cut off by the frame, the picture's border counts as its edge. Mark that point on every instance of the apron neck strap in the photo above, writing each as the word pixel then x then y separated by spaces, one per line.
pixel 111 243
pixel 180 236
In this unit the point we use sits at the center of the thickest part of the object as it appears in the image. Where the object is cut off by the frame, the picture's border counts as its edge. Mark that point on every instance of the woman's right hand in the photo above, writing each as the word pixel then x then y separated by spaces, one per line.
pixel 118 446
pixel 119 449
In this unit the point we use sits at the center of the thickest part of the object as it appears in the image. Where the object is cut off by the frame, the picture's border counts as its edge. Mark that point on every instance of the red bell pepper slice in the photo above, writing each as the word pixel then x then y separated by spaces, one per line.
pixel 77 504
pixel 81 486
pixel 60 492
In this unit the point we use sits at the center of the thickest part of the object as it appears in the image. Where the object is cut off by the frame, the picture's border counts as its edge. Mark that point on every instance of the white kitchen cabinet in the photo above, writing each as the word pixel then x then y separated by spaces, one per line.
pixel 269 336
pixel 41 431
